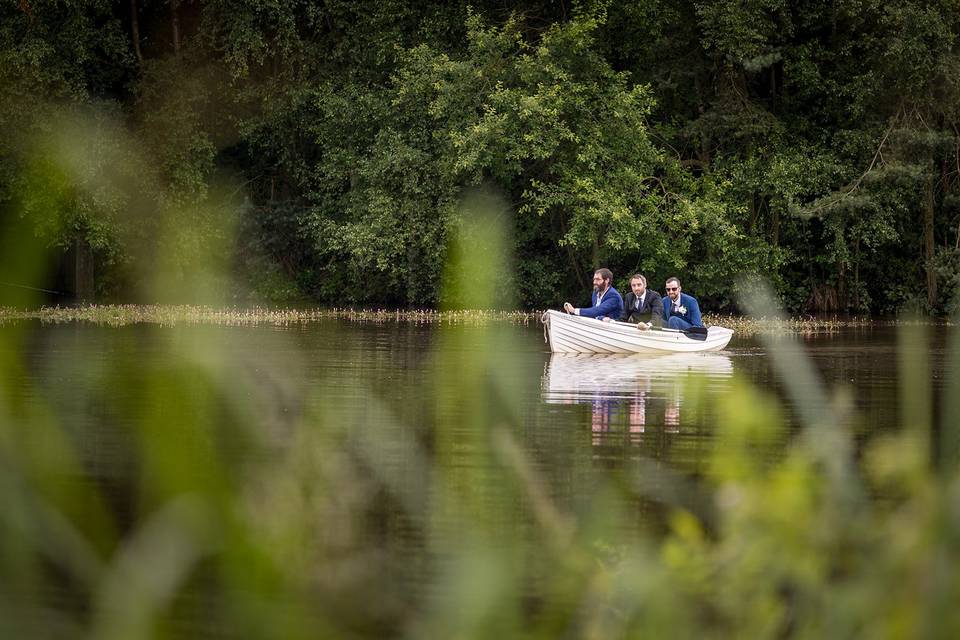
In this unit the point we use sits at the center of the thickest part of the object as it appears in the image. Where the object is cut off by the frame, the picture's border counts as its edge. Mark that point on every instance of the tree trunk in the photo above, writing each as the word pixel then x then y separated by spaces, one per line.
pixel 703 153
pixel 833 21
pixel 135 30
pixel 83 284
pixel 842 300
pixel 571 255
pixel 856 275
pixel 929 247
pixel 774 225
pixel 581 277
pixel 774 95
pixel 175 25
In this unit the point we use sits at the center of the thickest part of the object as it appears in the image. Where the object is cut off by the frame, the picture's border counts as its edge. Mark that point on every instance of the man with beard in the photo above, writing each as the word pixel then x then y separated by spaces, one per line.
pixel 605 302
pixel 642 306
pixel 680 311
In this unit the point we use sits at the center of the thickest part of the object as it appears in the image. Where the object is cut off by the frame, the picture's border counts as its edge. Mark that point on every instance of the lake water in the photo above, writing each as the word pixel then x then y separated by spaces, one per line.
pixel 373 452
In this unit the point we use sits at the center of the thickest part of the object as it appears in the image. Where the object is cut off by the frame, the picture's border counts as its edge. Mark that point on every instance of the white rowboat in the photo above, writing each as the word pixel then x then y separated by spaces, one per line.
pixel 576 334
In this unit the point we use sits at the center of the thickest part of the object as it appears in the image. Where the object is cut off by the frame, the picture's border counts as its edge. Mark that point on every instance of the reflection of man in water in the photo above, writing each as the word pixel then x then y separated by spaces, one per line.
pixel 606 301
pixel 601 414
pixel 604 410
pixel 638 413
pixel 671 417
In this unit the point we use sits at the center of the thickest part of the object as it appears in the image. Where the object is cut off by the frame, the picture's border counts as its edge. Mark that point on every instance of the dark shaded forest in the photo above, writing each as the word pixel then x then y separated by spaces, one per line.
pixel 319 151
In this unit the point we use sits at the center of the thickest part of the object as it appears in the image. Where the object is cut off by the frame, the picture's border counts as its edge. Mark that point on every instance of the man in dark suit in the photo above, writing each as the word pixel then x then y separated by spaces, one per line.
pixel 642 306
pixel 605 302
pixel 680 311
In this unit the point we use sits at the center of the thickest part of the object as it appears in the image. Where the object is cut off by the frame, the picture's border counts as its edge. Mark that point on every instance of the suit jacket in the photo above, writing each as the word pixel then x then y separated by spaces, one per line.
pixel 651 309
pixel 693 310
pixel 611 306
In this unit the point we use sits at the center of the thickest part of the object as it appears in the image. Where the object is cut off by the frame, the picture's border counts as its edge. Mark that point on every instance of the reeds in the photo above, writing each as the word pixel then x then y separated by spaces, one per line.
pixel 170 315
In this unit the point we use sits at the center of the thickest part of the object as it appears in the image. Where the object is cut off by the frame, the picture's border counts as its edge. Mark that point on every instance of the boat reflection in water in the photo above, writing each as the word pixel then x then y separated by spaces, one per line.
pixel 629 393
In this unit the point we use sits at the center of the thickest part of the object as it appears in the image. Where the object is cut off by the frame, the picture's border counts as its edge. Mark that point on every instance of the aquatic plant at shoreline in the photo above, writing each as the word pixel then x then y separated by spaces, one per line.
pixel 169 315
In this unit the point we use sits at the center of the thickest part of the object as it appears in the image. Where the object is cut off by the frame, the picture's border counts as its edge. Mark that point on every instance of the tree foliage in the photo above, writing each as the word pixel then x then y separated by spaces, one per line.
pixel 813 143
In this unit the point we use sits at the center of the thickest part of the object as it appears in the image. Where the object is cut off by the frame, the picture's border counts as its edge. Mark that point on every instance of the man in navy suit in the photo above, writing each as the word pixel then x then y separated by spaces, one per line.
pixel 642 306
pixel 606 301
pixel 680 311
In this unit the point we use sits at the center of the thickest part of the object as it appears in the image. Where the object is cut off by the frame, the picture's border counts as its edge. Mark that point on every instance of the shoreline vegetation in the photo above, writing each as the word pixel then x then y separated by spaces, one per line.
pixel 169 315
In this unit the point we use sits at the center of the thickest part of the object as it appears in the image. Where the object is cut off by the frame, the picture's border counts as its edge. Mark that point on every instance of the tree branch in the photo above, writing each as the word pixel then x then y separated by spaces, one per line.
pixel 858 181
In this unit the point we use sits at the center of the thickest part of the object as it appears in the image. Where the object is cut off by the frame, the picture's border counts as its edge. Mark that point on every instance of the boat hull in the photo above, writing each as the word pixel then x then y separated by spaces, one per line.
pixel 575 334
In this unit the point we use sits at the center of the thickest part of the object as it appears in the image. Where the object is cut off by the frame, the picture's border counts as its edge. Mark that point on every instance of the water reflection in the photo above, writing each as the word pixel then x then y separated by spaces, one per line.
pixel 629 393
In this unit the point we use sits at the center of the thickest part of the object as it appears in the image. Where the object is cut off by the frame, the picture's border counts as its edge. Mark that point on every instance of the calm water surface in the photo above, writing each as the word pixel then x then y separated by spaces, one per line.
pixel 394 407
pixel 371 378
pixel 579 417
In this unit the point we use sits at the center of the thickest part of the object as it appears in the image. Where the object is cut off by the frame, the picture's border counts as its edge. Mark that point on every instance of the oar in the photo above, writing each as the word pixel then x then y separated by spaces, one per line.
pixel 695 333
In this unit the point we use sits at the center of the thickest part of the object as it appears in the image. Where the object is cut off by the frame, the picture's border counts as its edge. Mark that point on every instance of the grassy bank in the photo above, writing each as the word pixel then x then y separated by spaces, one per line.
pixel 121 315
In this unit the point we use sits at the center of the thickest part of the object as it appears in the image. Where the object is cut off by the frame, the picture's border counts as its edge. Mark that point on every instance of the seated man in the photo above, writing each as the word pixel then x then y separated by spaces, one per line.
pixel 642 306
pixel 680 310
pixel 606 301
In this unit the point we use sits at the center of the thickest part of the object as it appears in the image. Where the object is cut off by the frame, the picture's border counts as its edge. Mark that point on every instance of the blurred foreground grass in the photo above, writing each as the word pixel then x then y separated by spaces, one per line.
pixel 381 525
pixel 308 533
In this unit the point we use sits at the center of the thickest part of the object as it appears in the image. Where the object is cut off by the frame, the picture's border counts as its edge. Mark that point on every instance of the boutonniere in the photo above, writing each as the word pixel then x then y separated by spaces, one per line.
pixel 682 309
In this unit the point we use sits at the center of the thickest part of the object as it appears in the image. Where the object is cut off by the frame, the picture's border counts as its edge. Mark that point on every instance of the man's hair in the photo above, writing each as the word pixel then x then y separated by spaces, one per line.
pixel 605 273
pixel 673 279
pixel 638 276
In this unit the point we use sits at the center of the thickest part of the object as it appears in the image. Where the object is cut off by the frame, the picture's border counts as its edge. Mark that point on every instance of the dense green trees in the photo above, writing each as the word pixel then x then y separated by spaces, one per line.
pixel 325 147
